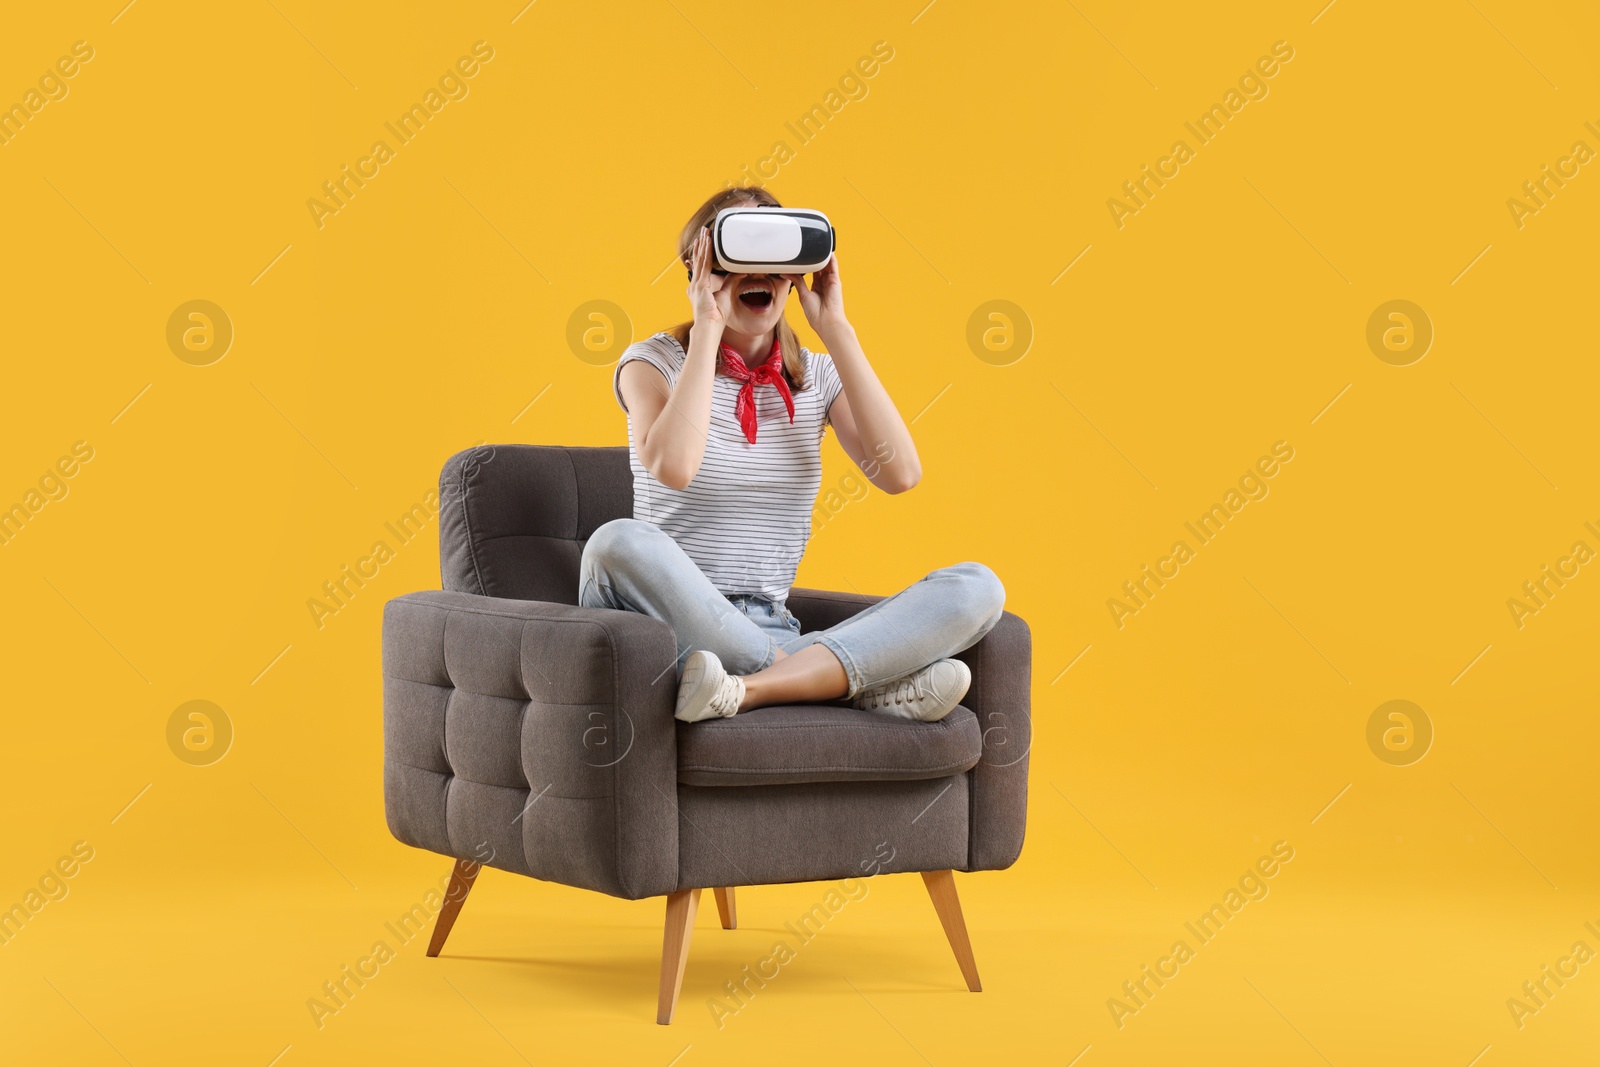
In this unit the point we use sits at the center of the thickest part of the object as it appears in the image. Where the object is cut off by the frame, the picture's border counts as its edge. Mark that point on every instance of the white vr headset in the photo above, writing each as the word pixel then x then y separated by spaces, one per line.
pixel 771 240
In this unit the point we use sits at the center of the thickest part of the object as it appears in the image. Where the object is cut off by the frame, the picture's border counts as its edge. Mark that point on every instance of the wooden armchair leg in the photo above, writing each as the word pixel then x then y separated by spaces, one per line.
pixel 461 879
pixel 942 888
pixel 725 910
pixel 681 907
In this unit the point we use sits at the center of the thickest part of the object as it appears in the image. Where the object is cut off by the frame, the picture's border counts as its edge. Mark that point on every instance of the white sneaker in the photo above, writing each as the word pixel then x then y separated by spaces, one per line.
pixel 927 695
pixel 705 690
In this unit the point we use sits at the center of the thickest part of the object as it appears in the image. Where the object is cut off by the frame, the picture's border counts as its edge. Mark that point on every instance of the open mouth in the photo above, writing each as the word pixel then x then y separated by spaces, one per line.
pixel 757 295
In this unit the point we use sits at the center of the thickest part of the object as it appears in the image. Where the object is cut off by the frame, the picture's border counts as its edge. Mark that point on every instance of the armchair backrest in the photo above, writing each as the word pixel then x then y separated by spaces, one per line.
pixel 513 519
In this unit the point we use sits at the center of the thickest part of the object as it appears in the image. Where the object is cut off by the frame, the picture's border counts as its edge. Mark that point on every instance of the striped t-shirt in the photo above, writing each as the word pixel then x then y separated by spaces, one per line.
pixel 746 517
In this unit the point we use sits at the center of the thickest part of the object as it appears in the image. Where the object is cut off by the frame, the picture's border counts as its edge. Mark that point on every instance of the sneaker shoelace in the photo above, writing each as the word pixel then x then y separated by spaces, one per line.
pixel 728 695
pixel 904 691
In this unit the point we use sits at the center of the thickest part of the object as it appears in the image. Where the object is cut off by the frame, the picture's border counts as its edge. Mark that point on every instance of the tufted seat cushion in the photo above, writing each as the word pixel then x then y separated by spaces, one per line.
pixel 824 743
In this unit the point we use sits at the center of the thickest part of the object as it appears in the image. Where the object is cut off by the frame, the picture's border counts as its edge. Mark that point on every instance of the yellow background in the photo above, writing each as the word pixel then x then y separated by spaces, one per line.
pixel 428 314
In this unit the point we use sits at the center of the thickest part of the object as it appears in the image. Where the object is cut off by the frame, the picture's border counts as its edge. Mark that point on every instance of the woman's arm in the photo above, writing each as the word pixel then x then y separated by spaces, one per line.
pixel 869 426
pixel 670 425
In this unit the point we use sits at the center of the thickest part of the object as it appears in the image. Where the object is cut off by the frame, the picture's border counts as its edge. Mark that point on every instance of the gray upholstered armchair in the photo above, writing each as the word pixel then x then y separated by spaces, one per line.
pixel 526 733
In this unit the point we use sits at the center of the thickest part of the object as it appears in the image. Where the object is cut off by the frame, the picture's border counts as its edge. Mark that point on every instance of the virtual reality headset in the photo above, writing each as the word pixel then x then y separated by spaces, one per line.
pixel 770 240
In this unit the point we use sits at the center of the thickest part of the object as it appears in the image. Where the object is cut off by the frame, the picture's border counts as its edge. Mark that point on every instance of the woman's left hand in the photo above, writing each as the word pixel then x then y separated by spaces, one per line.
pixel 823 300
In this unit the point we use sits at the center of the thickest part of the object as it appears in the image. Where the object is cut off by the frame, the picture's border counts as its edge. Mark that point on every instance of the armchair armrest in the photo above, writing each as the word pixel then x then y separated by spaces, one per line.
pixel 538 734
pixel 1001 698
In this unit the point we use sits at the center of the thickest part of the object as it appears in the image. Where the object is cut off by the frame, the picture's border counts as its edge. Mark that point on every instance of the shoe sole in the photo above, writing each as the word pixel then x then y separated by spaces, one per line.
pixel 966 682
pixel 695 690
pixel 961 691
pixel 944 707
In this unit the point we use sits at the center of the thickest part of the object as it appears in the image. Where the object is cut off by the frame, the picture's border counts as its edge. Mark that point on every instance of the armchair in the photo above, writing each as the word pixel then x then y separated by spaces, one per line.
pixel 540 734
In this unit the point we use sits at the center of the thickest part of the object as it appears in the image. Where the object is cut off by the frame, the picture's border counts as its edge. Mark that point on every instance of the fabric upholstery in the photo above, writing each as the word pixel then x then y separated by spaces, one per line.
pixel 541 731
pixel 514 518
pixel 801 833
pixel 824 743
pixel 1002 677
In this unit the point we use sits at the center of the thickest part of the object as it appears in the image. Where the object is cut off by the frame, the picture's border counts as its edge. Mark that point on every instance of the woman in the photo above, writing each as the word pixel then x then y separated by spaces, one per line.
pixel 726 416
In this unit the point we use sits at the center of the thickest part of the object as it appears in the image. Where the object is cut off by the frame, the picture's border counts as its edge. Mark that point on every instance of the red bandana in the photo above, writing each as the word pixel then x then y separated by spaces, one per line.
pixel 768 373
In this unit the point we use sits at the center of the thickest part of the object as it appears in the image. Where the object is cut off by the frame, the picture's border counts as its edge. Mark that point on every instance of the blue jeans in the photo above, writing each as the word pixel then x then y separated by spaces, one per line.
pixel 633 565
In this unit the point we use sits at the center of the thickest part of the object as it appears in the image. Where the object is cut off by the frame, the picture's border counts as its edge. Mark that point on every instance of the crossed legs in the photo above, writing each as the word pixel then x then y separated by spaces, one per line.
pixel 633 565
pixel 812 674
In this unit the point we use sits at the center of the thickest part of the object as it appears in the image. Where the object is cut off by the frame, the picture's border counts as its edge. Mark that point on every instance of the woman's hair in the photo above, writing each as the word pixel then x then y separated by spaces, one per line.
pixel 793 366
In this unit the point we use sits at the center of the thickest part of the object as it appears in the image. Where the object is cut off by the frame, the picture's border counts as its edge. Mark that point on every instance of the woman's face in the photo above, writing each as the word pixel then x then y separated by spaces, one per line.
pixel 757 299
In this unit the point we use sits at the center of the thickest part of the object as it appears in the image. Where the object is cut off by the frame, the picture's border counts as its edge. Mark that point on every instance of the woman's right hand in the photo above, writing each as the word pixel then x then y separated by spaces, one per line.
pixel 709 294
